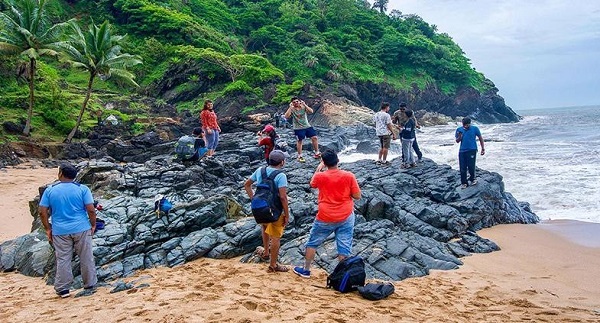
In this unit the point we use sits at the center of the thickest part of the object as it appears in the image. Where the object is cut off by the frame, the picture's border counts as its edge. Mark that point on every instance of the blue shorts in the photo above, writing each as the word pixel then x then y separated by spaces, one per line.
pixel 305 133
pixel 344 231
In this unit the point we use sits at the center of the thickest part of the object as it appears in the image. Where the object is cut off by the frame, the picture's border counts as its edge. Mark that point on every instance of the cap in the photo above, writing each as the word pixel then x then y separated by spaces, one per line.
pixel 276 157
pixel 268 128
pixel 329 158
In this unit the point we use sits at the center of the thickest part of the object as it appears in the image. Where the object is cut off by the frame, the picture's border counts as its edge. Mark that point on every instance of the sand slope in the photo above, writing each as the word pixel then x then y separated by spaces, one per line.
pixel 541 275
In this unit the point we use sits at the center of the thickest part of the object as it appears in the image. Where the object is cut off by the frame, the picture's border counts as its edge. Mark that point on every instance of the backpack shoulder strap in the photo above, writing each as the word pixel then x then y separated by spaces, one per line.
pixel 263 173
pixel 274 174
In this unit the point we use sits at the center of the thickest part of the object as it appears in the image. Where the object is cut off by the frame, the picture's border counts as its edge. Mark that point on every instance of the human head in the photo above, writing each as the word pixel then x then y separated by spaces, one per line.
pixel 408 113
pixel 295 101
pixel 402 106
pixel 466 121
pixel 208 105
pixel 197 131
pixel 268 128
pixel 67 170
pixel 330 158
pixel 276 158
pixel 385 106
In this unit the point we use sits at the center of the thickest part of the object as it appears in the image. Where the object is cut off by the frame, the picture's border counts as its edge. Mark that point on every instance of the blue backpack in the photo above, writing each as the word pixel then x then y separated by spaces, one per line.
pixel 265 204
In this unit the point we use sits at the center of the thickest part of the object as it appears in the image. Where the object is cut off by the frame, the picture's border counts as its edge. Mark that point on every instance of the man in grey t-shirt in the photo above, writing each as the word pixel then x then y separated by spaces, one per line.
pixel 302 129
pixel 384 130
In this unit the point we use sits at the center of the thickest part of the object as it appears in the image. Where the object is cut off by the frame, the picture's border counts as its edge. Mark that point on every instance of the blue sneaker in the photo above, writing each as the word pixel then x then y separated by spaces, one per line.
pixel 300 271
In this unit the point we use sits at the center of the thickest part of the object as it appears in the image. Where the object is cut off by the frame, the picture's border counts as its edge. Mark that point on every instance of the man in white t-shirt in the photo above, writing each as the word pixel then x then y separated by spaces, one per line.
pixel 383 129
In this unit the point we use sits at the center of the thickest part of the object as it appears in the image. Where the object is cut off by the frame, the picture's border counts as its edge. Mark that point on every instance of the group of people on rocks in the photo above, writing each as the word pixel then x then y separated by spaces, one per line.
pixel 71 204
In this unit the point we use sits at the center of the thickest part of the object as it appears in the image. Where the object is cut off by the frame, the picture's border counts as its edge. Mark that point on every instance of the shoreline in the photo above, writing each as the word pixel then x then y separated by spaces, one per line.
pixel 544 272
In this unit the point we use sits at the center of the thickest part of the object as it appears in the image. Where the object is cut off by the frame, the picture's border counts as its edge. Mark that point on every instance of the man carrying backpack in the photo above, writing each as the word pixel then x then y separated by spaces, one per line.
pixel 273 231
pixel 337 190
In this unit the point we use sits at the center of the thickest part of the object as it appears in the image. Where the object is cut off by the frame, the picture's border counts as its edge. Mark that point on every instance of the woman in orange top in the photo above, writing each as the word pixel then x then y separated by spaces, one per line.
pixel 208 119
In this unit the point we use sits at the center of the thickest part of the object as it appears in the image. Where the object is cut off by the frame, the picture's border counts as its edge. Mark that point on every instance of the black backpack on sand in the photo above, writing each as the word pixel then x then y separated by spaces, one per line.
pixel 265 204
pixel 348 275
pixel 376 291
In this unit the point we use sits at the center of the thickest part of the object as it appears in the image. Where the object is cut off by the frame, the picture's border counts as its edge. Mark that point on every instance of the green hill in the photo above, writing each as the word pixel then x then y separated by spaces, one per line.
pixel 260 52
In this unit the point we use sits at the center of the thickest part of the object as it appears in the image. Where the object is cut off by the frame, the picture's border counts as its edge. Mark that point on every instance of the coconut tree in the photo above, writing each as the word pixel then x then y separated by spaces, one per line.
pixel 25 29
pixel 98 52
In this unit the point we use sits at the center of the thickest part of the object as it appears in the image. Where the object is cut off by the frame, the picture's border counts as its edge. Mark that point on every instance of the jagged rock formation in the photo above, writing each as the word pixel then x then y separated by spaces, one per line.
pixel 408 221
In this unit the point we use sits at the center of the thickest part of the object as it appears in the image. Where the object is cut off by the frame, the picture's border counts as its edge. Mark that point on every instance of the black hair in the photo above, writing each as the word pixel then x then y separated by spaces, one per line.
pixel 403 105
pixel 384 105
pixel 329 158
pixel 197 131
pixel 68 171
pixel 466 120
pixel 294 98
pixel 408 113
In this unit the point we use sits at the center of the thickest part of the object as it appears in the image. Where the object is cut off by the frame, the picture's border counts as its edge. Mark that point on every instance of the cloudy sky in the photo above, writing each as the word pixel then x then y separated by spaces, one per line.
pixel 539 53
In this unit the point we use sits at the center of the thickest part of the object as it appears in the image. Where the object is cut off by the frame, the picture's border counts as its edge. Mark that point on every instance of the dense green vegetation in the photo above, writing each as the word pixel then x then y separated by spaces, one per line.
pixel 216 48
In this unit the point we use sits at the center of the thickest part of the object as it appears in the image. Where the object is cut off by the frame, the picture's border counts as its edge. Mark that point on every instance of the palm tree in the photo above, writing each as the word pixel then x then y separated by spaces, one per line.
pixel 99 53
pixel 26 30
pixel 381 5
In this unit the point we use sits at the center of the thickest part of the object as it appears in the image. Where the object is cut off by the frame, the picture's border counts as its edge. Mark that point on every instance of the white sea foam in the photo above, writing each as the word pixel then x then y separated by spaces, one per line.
pixel 543 160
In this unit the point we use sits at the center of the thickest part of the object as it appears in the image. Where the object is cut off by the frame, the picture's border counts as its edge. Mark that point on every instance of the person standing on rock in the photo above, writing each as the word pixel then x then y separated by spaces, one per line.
pixel 267 138
pixel 400 119
pixel 208 119
pixel 302 129
pixel 467 153
pixel 408 136
pixel 385 132
pixel 337 190
pixel 71 206
pixel 272 232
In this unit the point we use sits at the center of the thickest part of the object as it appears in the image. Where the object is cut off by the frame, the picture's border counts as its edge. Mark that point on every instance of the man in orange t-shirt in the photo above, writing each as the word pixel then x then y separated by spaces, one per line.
pixel 337 191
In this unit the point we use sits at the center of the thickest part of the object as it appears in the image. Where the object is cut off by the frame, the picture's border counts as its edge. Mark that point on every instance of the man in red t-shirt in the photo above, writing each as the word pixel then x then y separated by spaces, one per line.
pixel 337 191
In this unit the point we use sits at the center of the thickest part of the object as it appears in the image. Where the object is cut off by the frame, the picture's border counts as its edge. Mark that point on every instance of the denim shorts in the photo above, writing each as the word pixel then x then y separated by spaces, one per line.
pixel 344 232
pixel 305 133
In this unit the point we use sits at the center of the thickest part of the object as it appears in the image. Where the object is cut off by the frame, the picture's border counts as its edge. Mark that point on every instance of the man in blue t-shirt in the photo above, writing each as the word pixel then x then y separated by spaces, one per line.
pixel 272 232
pixel 71 206
pixel 467 154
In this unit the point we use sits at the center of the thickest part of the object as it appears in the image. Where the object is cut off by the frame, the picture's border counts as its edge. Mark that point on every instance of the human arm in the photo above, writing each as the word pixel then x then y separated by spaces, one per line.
pixel 390 126
pixel 91 212
pixel 458 135
pixel 288 112
pixel 248 187
pixel 481 143
pixel 308 109
pixel 44 214
pixel 284 203
pixel 355 189
pixel 314 179
pixel 417 125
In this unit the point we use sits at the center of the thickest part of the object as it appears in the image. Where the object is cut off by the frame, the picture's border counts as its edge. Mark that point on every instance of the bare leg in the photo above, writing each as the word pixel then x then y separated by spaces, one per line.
pixel 275 242
pixel 384 153
pixel 310 256
pixel 265 240
pixel 315 143
pixel 299 147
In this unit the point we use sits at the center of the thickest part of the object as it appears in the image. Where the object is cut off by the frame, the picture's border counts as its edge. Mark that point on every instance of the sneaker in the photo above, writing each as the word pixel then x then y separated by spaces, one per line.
pixel 318 154
pixel 474 182
pixel 413 165
pixel 63 293
pixel 385 162
pixel 301 159
pixel 463 186
pixel 378 162
pixel 300 271
pixel 87 291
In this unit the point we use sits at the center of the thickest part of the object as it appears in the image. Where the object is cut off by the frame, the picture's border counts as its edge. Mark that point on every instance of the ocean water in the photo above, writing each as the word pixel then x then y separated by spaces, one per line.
pixel 550 159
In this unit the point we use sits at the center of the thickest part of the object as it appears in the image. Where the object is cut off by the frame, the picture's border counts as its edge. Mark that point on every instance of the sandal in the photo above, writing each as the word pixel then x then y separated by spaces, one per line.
pixel 278 268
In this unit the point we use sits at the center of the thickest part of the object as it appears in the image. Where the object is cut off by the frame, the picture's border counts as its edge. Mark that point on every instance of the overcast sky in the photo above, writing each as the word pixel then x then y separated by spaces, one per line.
pixel 539 53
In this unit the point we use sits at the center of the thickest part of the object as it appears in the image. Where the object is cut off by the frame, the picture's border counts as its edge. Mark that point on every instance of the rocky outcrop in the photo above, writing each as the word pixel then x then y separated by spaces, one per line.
pixel 408 222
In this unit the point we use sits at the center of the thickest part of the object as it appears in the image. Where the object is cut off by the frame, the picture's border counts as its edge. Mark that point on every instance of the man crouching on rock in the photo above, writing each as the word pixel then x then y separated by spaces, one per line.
pixel 73 222
pixel 272 232
pixel 337 189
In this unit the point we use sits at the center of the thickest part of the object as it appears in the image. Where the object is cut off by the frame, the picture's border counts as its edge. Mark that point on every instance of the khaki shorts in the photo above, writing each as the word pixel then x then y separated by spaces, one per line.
pixel 275 229
pixel 385 141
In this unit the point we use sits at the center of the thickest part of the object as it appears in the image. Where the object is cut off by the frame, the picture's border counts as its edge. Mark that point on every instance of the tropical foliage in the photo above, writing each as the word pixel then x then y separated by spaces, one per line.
pixel 198 49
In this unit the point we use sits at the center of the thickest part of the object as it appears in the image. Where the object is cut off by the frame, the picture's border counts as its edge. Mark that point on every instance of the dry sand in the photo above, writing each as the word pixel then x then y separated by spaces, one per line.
pixel 544 273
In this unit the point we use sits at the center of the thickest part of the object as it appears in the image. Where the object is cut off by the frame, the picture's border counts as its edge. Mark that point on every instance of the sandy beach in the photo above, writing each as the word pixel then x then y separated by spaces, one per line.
pixel 549 272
